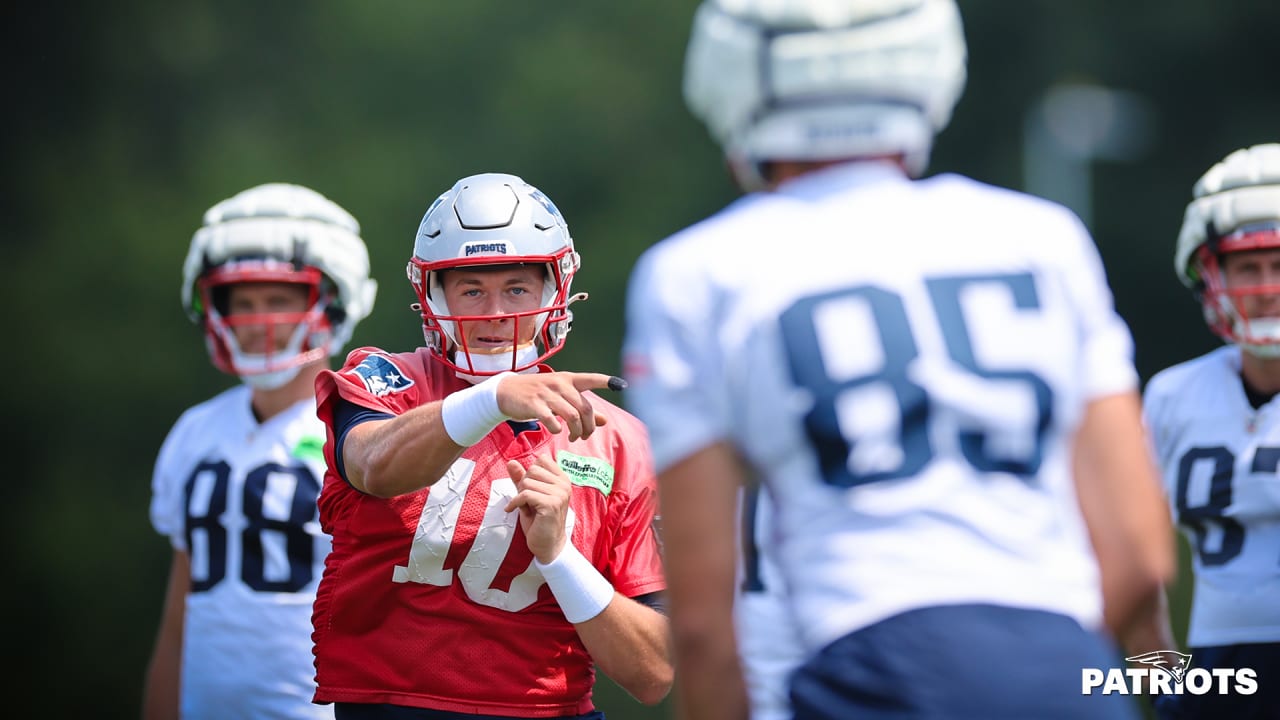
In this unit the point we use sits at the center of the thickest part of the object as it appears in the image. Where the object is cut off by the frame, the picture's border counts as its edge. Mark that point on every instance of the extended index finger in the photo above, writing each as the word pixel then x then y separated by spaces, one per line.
pixel 598 381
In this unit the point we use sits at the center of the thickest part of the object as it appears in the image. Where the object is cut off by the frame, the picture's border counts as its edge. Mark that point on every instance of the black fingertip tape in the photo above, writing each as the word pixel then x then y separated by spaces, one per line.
pixel 617 384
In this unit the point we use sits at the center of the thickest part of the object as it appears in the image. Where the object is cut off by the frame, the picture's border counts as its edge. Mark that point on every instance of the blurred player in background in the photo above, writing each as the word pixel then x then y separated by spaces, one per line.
pixel 278 278
pixel 1216 430
pixel 912 369
pixel 492 519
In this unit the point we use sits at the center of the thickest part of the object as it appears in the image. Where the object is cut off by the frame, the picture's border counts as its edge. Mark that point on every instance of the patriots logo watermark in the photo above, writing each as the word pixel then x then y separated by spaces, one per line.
pixel 1171 661
pixel 381 376
pixel 1168 672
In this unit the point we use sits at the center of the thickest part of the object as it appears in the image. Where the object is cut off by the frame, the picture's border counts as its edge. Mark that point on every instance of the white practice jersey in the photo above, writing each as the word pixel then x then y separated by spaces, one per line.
pixel 767 641
pixel 903 364
pixel 1220 459
pixel 240 498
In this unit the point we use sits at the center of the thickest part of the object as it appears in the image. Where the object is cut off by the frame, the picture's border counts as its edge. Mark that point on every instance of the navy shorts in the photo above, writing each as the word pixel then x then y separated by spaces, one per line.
pixel 979 662
pixel 363 711
pixel 1263 658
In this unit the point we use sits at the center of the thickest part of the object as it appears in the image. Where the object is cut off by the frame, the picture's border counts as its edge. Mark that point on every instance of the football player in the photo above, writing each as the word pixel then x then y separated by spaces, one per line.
pixel 492 519
pixel 278 278
pixel 913 369
pixel 1215 426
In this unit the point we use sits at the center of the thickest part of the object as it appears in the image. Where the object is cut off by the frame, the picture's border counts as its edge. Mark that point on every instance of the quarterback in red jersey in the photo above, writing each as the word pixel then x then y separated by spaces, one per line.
pixel 492 519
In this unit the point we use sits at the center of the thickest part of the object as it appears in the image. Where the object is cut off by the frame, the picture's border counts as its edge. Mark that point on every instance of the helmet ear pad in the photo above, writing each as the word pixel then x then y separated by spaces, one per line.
pixel 492 220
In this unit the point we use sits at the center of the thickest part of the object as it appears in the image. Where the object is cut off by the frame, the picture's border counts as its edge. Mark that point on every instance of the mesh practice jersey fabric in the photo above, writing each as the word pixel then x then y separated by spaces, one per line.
pixel 903 364
pixel 239 497
pixel 1220 458
pixel 431 599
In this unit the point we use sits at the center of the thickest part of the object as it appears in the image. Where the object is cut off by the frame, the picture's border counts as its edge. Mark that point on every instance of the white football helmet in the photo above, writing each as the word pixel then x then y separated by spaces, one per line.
pixel 493 219
pixel 824 79
pixel 1236 207
pixel 278 233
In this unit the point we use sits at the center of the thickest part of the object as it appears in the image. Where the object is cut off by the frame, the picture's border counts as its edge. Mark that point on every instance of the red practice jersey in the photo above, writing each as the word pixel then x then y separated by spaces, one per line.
pixel 431 599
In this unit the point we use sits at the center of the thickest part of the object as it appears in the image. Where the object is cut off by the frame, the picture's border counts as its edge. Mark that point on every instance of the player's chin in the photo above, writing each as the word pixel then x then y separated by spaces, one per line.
pixel 480 347
pixel 494 345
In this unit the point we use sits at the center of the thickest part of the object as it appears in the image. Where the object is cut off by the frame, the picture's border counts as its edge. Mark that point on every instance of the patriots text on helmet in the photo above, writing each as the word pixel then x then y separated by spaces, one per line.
pixel 487 248
pixel 493 223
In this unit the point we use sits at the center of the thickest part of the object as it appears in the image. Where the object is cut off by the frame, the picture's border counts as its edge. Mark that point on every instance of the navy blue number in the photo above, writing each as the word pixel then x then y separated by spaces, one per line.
pixel 208 525
pixel 1265 460
pixel 299 546
pixel 800 338
pixel 1219 498
pixel 945 293
pixel 808 370
pixel 751 581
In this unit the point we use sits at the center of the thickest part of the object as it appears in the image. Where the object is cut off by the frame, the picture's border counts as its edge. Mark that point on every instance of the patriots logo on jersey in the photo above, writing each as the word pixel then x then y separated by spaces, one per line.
pixel 381 376
pixel 1170 661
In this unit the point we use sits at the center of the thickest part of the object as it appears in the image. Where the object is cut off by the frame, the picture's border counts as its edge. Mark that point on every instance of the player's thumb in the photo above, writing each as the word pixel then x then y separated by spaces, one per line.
pixel 517 473
pixel 515 470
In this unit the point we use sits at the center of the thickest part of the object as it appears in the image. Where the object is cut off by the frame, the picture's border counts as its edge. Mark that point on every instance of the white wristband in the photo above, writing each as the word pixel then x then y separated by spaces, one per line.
pixel 581 590
pixel 468 415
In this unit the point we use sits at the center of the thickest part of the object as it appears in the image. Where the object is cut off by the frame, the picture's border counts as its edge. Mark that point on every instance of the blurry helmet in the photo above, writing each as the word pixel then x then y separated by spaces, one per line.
pixel 486 220
pixel 824 79
pixel 278 233
pixel 1236 207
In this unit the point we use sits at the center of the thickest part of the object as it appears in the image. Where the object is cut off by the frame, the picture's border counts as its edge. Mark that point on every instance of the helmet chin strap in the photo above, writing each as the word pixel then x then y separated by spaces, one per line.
pixel 493 363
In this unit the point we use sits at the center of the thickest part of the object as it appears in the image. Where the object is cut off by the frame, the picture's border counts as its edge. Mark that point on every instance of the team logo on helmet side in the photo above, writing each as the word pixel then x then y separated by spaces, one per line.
pixel 545 201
